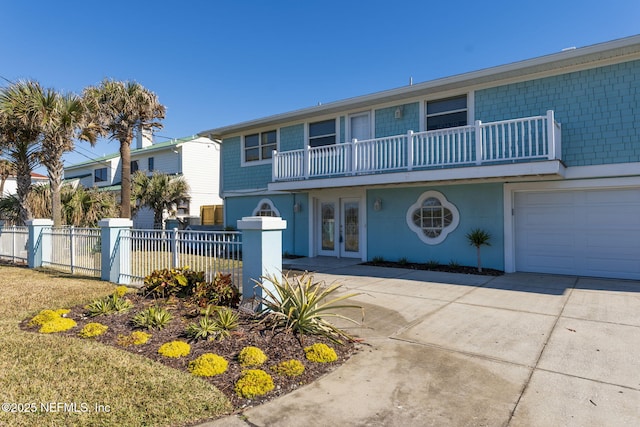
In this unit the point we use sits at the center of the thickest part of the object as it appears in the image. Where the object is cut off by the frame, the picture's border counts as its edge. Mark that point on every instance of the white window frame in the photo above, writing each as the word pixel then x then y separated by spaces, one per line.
pixel 260 161
pixel 444 231
pixel 272 207
pixel 442 113
pixel 335 134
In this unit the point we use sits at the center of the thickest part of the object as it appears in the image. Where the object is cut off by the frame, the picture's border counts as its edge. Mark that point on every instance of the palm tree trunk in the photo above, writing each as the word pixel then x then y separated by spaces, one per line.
pixel 479 261
pixel 125 190
pixel 55 182
pixel 23 182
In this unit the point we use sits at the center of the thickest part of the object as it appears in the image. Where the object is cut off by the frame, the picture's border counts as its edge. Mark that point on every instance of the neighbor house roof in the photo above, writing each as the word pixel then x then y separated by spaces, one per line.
pixel 565 61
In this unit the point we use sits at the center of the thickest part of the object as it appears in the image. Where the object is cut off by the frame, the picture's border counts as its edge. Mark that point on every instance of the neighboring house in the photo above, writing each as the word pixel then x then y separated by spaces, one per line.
pixel 544 154
pixel 195 158
pixel 11 185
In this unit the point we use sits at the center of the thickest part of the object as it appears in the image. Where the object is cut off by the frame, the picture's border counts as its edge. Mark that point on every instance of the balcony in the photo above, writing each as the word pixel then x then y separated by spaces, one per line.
pixel 474 151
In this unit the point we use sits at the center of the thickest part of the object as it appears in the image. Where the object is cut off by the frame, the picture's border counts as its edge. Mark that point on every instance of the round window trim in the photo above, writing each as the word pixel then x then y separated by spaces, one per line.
pixel 444 231
pixel 271 206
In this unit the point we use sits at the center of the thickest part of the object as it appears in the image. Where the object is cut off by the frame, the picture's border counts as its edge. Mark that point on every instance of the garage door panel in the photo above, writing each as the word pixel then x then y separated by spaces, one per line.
pixel 582 232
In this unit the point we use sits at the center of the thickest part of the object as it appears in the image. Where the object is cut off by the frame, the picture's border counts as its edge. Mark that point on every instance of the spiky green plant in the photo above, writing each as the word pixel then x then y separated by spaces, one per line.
pixel 205 328
pixel 478 237
pixel 298 304
pixel 152 317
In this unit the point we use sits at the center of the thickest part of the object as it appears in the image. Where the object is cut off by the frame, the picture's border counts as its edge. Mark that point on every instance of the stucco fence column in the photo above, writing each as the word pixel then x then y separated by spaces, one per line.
pixel 39 243
pixel 116 258
pixel 261 254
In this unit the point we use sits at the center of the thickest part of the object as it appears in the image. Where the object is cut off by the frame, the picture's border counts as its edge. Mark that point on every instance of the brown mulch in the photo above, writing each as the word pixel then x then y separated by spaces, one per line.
pixel 277 345
pixel 461 269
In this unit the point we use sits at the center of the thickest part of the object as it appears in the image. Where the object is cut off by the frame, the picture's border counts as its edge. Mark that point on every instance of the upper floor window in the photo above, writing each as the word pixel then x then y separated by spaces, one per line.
pixel 266 208
pixel 150 164
pixel 135 166
pixel 100 175
pixel 322 133
pixel 447 113
pixel 260 146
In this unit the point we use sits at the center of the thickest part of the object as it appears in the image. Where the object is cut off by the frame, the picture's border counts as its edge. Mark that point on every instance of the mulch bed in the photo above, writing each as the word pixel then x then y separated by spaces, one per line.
pixel 277 345
pixel 461 269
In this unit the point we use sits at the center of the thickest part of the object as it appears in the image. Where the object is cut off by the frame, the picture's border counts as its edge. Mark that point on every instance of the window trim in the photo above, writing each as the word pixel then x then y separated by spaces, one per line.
pixel 150 164
pixel 260 146
pixel 335 134
pixel 455 220
pixel 269 202
pixel 467 109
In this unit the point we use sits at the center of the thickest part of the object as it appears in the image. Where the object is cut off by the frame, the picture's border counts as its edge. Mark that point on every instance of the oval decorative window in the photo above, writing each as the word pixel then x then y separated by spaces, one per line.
pixel 432 217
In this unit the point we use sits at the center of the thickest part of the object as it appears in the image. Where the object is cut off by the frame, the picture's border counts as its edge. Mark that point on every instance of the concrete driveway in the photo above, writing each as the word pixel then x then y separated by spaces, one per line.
pixel 465 350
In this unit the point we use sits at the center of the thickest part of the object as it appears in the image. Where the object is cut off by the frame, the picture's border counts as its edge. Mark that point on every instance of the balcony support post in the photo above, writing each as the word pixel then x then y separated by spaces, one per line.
pixel 274 165
pixel 354 161
pixel 410 150
pixel 307 162
pixel 478 132
pixel 551 135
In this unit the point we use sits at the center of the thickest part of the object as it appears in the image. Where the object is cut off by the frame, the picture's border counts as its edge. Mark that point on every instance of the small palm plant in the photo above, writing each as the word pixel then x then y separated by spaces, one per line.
pixel 478 237
pixel 300 305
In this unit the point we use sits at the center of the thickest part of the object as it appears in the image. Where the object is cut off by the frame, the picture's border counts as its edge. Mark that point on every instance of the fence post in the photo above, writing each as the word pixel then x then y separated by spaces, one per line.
pixel 72 250
pixel 261 252
pixel 175 260
pixel 112 269
pixel 39 244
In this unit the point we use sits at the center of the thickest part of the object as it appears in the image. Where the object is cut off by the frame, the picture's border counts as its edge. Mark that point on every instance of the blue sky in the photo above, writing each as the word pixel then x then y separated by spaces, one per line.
pixel 216 63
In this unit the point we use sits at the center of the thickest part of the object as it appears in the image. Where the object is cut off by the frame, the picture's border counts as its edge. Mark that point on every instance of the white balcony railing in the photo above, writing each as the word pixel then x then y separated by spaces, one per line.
pixel 526 139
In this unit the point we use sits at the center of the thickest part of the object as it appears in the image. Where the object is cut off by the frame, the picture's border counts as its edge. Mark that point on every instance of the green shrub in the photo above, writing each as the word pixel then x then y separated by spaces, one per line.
pixel 92 330
pixel 320 353
pixel 289 368
pixel 454 264
pixel 254 382
pixel 152 317
pixel 251 356
pixel 403 261
pixel 431 264
pixel 226 320
pixel 174 349
pixel 121 291
pixel 220 291
pixel 377 259
pixel 216 323
pixel 208 365
pixel 300 305
pixel 113 303
pixel 167 282
pixel 205 328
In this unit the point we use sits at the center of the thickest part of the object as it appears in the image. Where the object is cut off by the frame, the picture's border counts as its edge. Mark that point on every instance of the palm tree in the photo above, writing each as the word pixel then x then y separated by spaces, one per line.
pixel 121 109
pixel 6 170
pixel 158 191
pixel 85 207
pixel 63 119
pixel 478 237
pixel 19 134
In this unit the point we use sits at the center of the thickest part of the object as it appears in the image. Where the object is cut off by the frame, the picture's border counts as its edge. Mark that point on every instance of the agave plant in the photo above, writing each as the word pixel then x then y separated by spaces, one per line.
pixel 299 305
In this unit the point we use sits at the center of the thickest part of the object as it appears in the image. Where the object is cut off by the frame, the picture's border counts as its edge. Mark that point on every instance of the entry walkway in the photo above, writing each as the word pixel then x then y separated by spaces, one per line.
pixel 466 350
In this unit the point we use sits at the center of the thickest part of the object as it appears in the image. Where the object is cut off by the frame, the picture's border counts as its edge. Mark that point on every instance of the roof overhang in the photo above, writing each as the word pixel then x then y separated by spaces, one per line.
pixel 568 60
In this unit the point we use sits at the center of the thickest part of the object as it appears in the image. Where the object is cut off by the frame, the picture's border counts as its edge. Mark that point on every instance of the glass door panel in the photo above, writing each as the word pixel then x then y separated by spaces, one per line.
pixel 351 226
pixel 328 226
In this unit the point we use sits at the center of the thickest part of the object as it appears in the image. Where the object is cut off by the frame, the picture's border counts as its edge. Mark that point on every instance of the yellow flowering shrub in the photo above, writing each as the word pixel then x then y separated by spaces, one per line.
pixel 289 368
pixel 120 291
pixel 251 356
pixel 46 316
pixel 58 324
pixel 208 365
pixel 320 353
pixel 135 338
pixel 174 349
pixel 254 382
pixel 92 330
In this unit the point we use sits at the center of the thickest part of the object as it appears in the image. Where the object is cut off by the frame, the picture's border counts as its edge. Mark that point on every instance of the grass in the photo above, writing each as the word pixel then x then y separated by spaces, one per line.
pixel 49 369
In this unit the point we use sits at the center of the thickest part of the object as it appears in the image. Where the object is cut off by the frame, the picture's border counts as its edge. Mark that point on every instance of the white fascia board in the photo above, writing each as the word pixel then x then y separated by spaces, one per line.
pixel 546 168
pixel 582 58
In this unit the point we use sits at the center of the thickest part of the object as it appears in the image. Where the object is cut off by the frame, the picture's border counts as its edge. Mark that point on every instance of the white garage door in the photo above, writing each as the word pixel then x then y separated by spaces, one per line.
pixel 585 232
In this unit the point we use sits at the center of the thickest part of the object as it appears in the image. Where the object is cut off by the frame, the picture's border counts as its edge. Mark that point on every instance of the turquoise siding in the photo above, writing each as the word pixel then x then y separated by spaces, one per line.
pixel 479 205
pixel 597 109
pixel 292 138
pixel 387 124
pixel 235 177
pixel 295 236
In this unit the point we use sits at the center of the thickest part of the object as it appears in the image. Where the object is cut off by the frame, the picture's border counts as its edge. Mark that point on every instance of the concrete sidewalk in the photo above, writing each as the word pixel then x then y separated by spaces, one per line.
pixel 464 350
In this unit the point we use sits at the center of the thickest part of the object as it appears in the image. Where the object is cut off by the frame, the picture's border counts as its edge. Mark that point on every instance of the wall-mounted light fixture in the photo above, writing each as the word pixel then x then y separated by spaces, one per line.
pixel 377 204
pixel 297 207
pixel 399 112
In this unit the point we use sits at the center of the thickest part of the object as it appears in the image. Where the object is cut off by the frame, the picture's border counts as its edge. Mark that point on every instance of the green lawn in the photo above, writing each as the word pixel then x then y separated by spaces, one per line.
pixel 76 382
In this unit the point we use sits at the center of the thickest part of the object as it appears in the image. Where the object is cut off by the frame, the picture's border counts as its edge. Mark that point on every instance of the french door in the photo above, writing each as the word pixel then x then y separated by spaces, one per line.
pixel 339 227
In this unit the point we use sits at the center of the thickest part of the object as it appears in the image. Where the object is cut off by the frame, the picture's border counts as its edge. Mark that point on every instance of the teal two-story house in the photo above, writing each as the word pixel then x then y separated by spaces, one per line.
pixel 543 154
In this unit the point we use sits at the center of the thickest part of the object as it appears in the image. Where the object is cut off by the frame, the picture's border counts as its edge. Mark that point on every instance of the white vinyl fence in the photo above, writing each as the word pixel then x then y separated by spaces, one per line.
pixel 208 251
pixel 13 244
pixel 74 250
